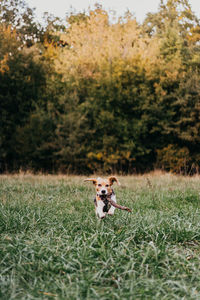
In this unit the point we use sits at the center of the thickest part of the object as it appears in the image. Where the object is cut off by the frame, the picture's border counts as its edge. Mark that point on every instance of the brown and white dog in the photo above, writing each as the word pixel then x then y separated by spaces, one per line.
pixel 103 189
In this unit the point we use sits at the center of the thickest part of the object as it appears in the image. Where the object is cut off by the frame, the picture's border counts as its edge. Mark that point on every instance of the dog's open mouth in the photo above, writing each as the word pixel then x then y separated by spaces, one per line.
pixel 103 196
pixel 103 192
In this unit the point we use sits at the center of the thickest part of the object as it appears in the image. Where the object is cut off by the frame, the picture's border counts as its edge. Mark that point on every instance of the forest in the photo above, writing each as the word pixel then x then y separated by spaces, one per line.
pixel 99 93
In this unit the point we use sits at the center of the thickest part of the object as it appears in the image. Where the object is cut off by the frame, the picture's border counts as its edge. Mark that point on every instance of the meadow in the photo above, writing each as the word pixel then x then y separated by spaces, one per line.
pixel 52 245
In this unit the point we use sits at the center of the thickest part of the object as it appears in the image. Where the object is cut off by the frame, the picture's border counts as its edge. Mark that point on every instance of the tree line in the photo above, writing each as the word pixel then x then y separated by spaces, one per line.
pixel 92 94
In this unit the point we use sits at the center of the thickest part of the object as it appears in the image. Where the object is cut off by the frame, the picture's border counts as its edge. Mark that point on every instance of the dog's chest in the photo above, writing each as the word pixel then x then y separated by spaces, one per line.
pixel 107 205
pixel 104 202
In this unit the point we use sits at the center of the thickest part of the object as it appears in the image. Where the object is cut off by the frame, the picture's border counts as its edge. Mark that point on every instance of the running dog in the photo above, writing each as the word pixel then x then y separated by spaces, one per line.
pixel 104 196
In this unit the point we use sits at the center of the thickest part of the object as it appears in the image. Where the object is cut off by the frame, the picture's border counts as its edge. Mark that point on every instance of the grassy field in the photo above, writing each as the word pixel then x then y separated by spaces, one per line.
pixel 53 247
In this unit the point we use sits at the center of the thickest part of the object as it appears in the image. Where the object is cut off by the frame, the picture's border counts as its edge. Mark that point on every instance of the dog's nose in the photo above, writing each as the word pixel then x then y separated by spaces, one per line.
pixel 103 191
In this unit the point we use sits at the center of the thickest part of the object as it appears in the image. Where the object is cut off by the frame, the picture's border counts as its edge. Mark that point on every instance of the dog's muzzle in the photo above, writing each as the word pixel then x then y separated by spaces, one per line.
pixel 103 192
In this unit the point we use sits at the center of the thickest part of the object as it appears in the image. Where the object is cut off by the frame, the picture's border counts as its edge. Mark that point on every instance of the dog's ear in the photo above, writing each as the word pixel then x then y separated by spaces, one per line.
pixel 91 179
pixel 112 179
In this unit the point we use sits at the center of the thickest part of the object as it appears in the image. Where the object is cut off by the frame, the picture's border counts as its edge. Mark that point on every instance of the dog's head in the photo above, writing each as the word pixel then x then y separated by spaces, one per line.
pixel 103 186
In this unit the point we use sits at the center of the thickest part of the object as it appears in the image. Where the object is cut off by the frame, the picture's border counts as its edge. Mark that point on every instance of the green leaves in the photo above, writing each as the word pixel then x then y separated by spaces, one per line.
pixel 112 97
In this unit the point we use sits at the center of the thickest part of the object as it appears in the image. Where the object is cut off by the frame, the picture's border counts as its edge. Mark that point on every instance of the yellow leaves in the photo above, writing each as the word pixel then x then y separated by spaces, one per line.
pixel 3 64
pixel 102 157
pixel 172 75
pixel 173 158
pixel 99 156
pixel 108 158
pixel 95 43
pixel 127 154
pixel 8 41
pixel 159 90
pixel 99 16
pixel 194 35
pixel 52 50
pixel 7 31
pixel 97 49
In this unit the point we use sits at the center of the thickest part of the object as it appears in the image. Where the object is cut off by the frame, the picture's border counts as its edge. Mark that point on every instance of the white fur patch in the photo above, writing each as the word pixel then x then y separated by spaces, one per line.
pixel 112 209
pixel 99 209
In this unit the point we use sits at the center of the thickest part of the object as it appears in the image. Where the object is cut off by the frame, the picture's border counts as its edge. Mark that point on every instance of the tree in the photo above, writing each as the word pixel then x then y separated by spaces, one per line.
pixel 21 18
pixel 171 13
pixel 95 95
pixel 22 79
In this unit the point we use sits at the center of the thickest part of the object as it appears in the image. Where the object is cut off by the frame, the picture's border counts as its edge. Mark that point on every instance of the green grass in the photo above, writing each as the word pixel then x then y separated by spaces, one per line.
pixel 53 247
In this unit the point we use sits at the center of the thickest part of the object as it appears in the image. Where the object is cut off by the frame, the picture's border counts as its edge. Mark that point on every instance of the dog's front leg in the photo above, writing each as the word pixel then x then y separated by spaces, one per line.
pixel 112 209
pixel 99 209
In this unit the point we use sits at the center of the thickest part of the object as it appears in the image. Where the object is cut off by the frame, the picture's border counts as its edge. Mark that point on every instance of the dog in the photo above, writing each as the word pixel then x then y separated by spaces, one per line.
pixel 103 191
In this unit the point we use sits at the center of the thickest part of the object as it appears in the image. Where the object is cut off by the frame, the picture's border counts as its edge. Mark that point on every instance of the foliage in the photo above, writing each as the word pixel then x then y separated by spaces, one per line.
pixel 174 159
pixel 22 81
pixel 106 96
pixel 18 15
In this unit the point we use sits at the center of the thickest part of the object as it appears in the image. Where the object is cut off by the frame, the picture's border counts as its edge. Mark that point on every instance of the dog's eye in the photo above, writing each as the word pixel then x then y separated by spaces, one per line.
pixel 107 185
pixel 99 184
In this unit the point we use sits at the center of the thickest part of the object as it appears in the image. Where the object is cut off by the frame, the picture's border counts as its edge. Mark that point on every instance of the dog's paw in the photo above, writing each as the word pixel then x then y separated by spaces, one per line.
pixel 102 216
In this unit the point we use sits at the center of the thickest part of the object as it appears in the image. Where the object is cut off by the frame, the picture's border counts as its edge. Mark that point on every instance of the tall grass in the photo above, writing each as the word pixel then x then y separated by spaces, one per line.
pixel 53 247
